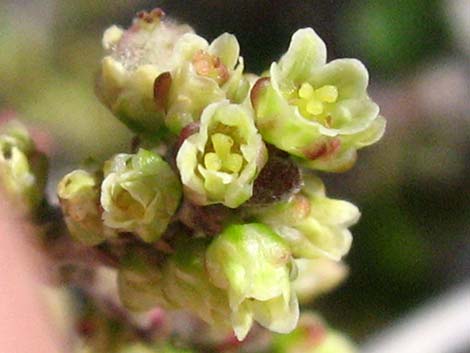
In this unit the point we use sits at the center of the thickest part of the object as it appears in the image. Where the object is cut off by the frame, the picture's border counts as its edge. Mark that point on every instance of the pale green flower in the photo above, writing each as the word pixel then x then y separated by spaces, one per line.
pixel 219 163
pixel 23 169
pixel 312 336
pixel 186 285
pixel 317 111
pixel 311 223
pixel 140 281
pixel 208 73
pixel 79 197
pixel 140 193
pixel 135 58
pixel 253 264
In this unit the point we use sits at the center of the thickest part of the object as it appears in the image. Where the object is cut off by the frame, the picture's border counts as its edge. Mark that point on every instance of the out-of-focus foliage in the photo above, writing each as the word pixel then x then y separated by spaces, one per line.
pixel 396 37
pixel 47 65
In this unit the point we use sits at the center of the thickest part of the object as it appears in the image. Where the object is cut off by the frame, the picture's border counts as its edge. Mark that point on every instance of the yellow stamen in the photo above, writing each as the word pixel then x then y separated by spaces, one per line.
pixel 312 102
pixel 212 161
pixel 314 107
pixel 233 162
pixel 327 93
pixel 222 144
pixel 306 91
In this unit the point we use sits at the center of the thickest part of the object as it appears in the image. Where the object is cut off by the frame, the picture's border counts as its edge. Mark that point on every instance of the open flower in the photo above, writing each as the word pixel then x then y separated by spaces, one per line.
pixel 311 223
pixel 23 169
pixel 136 57
pixel 253 264
pixel 219 163
pixel 140 193
pixel 317 111
pixel 208 73
pixel 79 197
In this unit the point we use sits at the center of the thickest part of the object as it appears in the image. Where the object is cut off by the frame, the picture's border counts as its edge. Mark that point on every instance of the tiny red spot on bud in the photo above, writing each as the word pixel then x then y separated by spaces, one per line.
pixel 257 89
pixel 161 89
pixel 187 131
pixel 323 149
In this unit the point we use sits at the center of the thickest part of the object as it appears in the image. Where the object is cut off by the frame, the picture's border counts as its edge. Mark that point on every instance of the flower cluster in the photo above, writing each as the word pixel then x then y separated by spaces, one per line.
pixel 221 214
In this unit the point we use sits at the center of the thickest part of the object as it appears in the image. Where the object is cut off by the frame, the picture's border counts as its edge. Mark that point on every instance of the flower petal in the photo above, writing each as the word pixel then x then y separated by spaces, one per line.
pixel 226 47
pixel 306 51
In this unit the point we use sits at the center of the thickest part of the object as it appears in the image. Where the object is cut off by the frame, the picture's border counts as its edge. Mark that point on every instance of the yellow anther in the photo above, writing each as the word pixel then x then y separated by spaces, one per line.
pixel 212 161
pixel 327 94
pixel 233 162
pixel 222 144
pixel 314 107
pixel 311 101
pixel 306 91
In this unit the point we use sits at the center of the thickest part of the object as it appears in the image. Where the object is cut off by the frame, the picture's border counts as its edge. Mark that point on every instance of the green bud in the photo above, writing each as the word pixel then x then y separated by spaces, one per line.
pixel 23 169
pixel 207 74
pixel 311 223
pixel 316 277
pixel 316 111
pixel 220 163
pixel 140 193
pixel 79 197
pixel 187 285
pixel 312 336
pixel 140 282
pixel 135 58
pixel 253 264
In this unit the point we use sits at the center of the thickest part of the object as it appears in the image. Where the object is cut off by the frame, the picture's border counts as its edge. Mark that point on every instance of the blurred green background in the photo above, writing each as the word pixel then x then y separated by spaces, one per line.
pixel 413 241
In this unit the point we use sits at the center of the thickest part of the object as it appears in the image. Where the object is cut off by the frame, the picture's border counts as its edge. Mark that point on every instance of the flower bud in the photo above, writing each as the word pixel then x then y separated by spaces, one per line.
pixel 135 58
pixel 311 223
pixel 220 163
pixel 187 285
pixel 23 169
pixel 253 264
pixel 140 282
pixel 316 111
pixel 79 197
pixel 140 193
